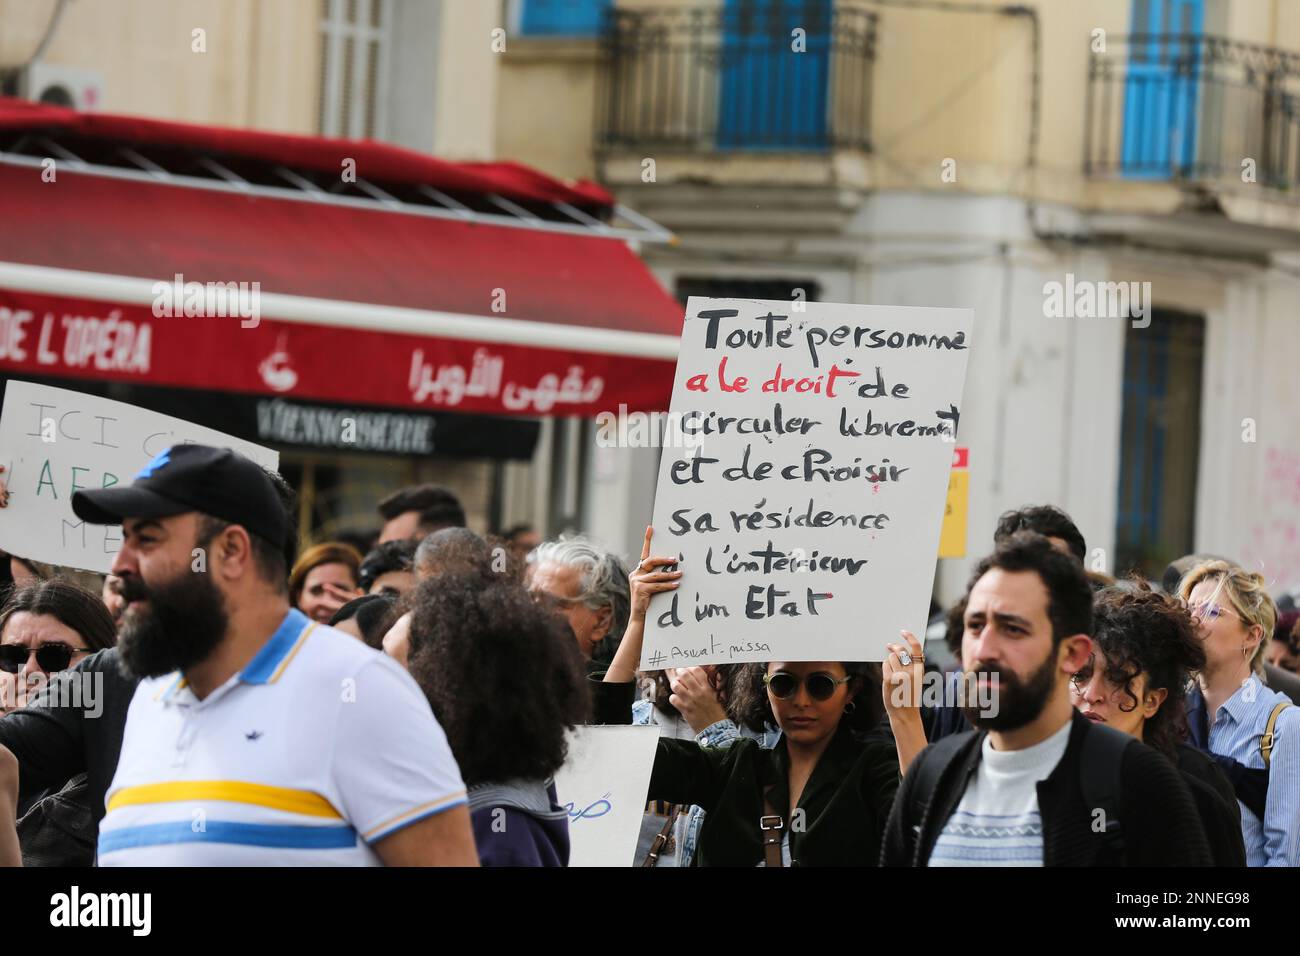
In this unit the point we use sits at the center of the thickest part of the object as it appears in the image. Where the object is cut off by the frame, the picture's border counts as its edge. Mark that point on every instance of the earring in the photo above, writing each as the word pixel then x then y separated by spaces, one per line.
pixel 850 707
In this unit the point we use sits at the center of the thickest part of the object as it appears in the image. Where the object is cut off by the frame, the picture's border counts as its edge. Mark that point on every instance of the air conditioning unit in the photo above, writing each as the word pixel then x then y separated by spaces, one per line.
pixel 63 86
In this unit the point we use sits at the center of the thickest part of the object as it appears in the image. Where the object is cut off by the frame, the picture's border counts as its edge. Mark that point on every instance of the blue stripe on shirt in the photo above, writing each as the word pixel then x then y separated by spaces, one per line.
pixel 972 854
pixel 282 836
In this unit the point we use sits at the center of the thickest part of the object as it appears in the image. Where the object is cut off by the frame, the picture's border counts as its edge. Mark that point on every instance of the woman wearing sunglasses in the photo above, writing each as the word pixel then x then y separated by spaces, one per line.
pixel 1231 713
pixel 45 628
pixel 819 798
pixel 1145 653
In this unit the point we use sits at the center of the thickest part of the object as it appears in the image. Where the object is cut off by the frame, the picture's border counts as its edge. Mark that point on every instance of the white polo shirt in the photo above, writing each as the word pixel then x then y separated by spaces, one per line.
pixel 317 749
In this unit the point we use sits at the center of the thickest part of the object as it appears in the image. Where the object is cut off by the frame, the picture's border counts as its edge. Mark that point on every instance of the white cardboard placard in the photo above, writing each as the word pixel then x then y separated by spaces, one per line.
pixel 54 441
pixel 603 785
pixel 808 515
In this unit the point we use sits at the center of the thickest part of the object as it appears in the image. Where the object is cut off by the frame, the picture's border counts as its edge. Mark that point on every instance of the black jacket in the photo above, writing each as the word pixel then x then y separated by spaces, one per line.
pixel 1216 803
pixel 53 744
pixel 845 802
pixel 1158 817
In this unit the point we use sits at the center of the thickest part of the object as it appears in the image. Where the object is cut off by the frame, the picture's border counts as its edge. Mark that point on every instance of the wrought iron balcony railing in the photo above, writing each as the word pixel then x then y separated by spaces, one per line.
pixel 775 75
pixel 1188 107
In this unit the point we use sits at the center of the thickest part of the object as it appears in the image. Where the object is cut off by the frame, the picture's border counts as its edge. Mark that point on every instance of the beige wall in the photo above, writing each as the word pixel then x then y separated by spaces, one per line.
pixel 260 69
pixel 546 104
pixel 467 86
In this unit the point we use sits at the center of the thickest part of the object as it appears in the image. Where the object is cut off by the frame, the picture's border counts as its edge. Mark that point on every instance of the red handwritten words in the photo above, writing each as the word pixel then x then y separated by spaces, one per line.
pixel 779 383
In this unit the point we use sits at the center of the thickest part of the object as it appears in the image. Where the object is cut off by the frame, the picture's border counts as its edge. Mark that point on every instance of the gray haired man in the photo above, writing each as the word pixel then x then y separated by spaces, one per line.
pixel 590 587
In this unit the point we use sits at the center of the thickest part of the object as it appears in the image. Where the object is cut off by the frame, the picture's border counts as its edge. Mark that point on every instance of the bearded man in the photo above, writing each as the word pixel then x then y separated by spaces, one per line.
pixel 1037 784
pixel 223 759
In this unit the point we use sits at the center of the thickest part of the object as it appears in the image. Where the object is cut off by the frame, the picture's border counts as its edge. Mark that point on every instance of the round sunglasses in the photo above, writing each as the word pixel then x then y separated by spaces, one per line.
pixel 50 657
pixel 820 685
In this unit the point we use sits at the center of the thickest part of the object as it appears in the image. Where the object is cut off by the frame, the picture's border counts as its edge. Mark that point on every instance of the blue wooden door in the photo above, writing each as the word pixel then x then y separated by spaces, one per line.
pixel 1162 88
pixel 771 97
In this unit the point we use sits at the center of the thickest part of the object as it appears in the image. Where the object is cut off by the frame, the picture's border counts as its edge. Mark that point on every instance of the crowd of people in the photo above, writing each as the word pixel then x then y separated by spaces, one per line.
pixel 407 698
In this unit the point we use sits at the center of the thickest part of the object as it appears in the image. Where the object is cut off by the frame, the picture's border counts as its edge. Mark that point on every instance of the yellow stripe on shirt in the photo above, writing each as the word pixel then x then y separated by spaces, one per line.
pixel 306 802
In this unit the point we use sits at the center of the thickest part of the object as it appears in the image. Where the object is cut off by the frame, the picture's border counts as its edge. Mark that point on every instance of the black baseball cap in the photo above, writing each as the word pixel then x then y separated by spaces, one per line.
pixel 215 481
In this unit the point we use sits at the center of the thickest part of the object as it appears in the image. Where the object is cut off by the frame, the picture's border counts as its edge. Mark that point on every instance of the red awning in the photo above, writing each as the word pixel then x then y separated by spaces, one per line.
pixel 383 302
pixel 379 162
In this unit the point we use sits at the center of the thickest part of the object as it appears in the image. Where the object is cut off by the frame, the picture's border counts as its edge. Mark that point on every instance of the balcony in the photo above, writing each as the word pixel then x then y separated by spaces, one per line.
pixel 1193 110
pixel 739 78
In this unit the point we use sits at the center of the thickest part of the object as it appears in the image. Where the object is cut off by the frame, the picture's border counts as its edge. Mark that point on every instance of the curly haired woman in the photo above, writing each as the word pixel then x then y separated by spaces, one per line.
pixel 507 682
pixel 1146 651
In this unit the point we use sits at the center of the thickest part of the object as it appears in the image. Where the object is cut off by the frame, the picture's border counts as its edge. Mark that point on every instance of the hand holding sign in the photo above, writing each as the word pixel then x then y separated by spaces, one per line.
pixel 901 675
pixel 647 579
pixel 650 577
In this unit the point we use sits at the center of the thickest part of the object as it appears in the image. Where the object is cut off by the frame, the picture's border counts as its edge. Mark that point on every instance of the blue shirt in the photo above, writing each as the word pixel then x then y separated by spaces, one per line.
pixel 1235 733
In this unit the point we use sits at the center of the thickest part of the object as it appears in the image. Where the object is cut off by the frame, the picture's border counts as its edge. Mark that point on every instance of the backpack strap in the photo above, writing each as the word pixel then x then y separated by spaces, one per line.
pixel 1101 766
pixel 939 756
pixel 1249 784
pixel 1266 741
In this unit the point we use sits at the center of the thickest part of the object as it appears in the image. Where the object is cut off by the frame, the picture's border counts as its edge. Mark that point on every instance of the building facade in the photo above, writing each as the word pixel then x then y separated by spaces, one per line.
pixel 417 74
pixel 1109 185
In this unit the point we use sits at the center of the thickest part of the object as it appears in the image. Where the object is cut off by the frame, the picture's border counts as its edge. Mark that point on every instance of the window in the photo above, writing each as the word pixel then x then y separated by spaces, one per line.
pixel 1160 442
pixel 747 288
pixel 354 67
pixel 572 18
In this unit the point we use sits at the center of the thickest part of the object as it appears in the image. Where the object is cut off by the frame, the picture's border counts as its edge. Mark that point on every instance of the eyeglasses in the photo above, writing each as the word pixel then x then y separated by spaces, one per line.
pixel 49 657
pixel 1209 611
pixel 820 685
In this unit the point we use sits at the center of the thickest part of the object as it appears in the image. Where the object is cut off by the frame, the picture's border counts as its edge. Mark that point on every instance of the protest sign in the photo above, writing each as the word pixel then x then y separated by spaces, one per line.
pixel 54 441
pixel 603 785
pixel 807 512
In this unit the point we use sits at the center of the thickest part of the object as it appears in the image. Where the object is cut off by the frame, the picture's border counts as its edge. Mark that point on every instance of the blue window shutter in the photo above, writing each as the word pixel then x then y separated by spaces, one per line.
pixel 572 18
pixel 1162 89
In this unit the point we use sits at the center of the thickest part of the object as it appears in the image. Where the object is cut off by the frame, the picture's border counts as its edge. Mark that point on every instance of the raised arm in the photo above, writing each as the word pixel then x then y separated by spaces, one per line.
pixel 646 582
pixel 901 689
